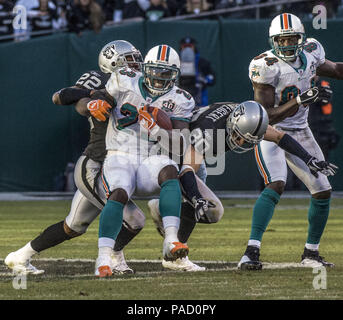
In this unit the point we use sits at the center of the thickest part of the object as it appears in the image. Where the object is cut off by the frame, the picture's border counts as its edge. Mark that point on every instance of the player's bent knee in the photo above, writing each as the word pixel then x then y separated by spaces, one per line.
pixel 70 232
pixel 322 195
pixel 167 173
pixel 119 195
pixel 277 186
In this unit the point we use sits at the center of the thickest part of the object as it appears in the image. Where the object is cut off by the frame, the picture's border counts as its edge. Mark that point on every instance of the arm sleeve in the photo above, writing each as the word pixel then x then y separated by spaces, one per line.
pixel 184 109
pixel 260 72
pixel 315 48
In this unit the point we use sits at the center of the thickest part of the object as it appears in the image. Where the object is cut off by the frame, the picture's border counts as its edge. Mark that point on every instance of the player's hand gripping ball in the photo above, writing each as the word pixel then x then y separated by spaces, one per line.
pixel 152 119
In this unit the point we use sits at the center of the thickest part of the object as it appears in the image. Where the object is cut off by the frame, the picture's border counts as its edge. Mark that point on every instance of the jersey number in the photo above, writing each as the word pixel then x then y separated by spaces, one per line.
pixel 88 81
pixel 131 114
pixel 289 93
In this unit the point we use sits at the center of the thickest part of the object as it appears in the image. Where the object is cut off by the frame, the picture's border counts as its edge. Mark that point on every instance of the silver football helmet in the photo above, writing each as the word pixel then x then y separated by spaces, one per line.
pixel 246 126
pixel 117 54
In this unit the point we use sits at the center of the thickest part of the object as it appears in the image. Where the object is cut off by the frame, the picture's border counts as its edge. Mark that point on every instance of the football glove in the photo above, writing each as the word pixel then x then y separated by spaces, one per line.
pixel 325 167
pixel 99 109
pixel 201 205
pixel 147 120
pixel 309 96
pixel 325 94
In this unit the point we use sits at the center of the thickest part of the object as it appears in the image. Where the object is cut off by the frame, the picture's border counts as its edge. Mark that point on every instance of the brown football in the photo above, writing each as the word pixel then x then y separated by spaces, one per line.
pixel 161 117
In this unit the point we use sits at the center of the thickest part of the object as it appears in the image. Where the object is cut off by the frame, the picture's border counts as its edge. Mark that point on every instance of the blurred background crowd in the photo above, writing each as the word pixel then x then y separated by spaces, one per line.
pixel 79 15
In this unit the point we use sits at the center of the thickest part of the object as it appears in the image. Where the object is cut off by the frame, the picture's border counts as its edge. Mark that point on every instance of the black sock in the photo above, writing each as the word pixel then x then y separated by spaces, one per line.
pixel 50 237
pixel 187 222
pixel 125 235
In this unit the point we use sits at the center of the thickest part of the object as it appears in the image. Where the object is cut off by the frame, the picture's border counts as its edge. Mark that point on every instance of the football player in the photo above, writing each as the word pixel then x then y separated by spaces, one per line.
pixel 280 78
pixel 89 198
pixel 242 126
pixel 131 135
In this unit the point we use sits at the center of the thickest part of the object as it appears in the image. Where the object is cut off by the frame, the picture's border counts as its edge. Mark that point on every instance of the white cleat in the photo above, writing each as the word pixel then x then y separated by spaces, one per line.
pixel 20 265
pixel 174 250
pixel 155 214
pixel 182 264
pixel 119 264
pixel 104 266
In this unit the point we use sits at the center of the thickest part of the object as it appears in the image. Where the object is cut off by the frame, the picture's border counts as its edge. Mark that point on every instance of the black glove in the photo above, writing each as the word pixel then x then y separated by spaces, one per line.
pixel 309 96
pixel 325 167
pixel 325 94
pixel 201 205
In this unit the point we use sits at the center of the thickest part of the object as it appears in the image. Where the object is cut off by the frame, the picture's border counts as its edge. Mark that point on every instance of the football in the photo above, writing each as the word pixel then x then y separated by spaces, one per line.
pixel 161 118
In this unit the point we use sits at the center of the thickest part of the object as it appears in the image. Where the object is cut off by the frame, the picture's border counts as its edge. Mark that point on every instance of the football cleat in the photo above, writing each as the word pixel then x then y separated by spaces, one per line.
pixel 174 250
pixel 182 264
pixel 250 259
pixel 104 266
pixel 20 265
pixel 311 258
pixel 155 214
pixel 119 264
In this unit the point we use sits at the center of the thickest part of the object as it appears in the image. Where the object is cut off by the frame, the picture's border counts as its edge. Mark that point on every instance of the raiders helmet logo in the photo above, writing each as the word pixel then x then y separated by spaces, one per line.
pixel 109 52
pixel 239 111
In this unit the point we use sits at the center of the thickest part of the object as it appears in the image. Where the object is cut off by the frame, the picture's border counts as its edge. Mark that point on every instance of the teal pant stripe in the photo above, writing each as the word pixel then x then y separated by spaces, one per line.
pixel 318 214
pixel 269 180
pixel 170 198
pixel 263 212
pixel 111 219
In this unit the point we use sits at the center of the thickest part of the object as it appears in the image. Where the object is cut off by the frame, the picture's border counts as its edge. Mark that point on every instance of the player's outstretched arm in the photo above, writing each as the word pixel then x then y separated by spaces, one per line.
pixel 70 95
pixel 331 69
pixel 191 164
pixel 290 145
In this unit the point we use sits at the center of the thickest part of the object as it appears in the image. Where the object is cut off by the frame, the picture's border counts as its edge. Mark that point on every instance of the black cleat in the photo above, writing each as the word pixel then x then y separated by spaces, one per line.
pixel 250 259
pixel 311 258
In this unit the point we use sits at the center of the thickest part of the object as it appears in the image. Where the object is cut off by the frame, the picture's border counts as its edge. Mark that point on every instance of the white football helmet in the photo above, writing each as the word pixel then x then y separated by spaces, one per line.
pixel 286 24
pixel 248 121
pixel 161 69
pixel 117 54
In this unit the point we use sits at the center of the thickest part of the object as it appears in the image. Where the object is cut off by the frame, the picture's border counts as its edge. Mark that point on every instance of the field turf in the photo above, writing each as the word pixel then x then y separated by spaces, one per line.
pixel 69 267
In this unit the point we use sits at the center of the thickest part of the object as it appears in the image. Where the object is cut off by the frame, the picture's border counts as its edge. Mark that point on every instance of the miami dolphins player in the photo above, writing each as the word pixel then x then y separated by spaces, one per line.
pixel 89 199
pixel 279 77
pixel 129 166
pixel 236 127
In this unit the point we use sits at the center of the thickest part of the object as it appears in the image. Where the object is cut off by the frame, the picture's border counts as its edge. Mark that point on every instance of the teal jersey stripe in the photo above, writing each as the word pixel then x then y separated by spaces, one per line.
pixel 180 118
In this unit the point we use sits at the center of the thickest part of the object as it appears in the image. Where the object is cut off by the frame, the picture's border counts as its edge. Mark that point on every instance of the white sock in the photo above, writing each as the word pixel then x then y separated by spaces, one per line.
pixel 171 234
pixel 27 251
pixel 105 242
pixel 311 246
pixel 254 243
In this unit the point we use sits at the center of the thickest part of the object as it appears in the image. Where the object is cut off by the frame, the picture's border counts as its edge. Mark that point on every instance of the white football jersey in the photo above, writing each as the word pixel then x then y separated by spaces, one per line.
pixel 288 80
pixel 124 132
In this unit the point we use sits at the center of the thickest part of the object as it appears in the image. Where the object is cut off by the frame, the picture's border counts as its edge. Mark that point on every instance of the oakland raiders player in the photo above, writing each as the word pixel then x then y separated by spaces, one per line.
pixel 89 198
pixel 280 77
pixel 235 127
pixel 132 133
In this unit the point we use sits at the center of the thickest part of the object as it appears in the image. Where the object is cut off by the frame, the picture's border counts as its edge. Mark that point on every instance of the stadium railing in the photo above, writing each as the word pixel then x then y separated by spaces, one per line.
pixel 219 12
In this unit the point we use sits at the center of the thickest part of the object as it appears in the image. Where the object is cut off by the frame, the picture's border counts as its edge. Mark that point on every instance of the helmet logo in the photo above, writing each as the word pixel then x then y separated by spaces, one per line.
pixel 109 52
pixel 239 111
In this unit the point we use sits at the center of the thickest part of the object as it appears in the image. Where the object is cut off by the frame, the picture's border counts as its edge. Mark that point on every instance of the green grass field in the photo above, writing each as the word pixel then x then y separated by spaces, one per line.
pixel 218 246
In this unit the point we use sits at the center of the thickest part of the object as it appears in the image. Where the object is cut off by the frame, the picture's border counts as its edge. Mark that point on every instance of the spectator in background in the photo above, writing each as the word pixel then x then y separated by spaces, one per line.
pixel 6 17
pixel 196 72
pixel 157 10
pixel 194 7
pixel 321 122
pixel 113 10
pixel 85 15
pixel 42 17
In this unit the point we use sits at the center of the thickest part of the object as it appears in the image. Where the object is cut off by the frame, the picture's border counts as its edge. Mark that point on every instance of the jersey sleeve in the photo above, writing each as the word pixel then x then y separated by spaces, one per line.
pixel 91 80
pixel 113 85
pixel 315 48
pixel 264 69
pixel 184 106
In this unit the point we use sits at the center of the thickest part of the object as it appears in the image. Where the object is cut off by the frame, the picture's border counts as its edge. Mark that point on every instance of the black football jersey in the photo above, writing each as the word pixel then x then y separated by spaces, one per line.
pixel 96 148
pixel 208 128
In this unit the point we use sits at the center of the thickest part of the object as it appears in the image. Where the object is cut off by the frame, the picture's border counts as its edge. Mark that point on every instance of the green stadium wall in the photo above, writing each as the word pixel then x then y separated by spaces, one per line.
pixel 39 138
